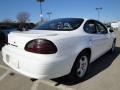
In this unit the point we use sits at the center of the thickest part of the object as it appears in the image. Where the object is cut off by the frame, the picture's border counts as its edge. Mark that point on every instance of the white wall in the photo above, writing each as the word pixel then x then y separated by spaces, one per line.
pixel 116 25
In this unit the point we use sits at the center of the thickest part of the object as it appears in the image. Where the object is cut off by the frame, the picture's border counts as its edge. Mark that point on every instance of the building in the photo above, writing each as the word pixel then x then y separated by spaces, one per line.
pixel 115 25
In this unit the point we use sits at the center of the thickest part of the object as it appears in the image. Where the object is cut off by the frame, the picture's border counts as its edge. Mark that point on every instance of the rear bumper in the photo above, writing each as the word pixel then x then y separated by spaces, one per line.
pixel 36 65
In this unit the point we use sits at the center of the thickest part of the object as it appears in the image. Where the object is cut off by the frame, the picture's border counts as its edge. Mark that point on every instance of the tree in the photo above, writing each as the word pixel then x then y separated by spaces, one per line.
pixel 22 18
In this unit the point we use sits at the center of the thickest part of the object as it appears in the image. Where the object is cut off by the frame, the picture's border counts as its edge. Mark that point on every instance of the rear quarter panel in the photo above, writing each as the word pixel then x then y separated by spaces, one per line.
pixel 71 46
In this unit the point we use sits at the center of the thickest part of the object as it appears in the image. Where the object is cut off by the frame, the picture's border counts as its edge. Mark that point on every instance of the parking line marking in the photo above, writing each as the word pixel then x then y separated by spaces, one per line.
pixel 36 83
pixel 50 83
pixel 4 67
pixel 4 75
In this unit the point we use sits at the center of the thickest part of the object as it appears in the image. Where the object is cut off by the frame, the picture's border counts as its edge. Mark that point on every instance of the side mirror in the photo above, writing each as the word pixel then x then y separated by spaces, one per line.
pixel 111 30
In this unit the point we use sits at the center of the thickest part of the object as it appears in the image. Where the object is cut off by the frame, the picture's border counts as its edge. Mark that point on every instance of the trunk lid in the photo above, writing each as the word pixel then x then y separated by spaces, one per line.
pixel 20 39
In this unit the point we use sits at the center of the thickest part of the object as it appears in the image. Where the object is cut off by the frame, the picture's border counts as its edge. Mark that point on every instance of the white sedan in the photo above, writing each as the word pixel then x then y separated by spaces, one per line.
pixel 57 48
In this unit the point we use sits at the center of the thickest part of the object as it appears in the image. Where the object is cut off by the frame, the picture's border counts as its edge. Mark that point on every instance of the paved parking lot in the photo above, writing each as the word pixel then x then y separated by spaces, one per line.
pixel 104 74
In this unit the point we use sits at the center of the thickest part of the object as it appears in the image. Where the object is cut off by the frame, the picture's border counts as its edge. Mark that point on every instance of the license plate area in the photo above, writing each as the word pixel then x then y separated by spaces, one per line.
pixel 12 61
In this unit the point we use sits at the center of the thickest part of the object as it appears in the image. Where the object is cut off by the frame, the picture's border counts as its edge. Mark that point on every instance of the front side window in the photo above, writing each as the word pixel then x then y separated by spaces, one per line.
pixel 64 24
pixel 101 28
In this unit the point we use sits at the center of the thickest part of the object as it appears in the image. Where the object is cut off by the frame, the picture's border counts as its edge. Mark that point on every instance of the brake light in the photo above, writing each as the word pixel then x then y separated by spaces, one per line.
pixel 41 46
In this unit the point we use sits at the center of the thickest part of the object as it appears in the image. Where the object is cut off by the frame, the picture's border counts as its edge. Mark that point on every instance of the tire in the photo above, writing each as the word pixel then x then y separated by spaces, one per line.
pixel 80 66
pixel 112 50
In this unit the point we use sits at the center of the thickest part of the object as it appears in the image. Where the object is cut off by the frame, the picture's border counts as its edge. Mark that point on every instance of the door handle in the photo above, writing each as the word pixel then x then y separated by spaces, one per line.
pixel 107 37
pixel 90 41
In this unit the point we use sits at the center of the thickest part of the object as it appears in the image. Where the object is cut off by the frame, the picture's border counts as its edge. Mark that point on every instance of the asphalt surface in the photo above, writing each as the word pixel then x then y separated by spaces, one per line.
pixel 104 74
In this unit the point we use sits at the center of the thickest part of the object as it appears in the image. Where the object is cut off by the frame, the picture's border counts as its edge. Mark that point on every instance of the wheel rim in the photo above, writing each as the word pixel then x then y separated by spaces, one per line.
pixel 82 66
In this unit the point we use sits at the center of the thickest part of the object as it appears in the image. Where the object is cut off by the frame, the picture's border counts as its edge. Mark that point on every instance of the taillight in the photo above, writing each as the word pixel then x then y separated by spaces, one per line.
pixel 41 46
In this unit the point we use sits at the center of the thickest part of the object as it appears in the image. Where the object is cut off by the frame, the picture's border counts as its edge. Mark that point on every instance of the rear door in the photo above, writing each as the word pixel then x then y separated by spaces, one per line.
pixel 97 40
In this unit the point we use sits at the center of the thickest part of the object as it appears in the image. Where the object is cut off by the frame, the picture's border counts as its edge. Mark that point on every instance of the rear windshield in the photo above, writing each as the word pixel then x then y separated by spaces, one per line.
pixel 64 24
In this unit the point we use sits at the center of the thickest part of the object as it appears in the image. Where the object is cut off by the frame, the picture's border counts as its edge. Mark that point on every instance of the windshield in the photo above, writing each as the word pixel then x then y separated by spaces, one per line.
pixel 64 24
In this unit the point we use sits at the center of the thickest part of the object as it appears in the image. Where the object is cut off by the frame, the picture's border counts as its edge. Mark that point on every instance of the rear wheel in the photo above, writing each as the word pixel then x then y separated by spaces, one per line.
pixel 80 66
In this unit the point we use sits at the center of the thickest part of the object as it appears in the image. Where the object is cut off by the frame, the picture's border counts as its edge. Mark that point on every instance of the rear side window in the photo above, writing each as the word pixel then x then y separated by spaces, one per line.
pixel 90 27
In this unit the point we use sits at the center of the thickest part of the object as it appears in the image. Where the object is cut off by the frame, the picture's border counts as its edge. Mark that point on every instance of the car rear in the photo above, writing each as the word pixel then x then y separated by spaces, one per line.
pixel 35 58
pixel 43 53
